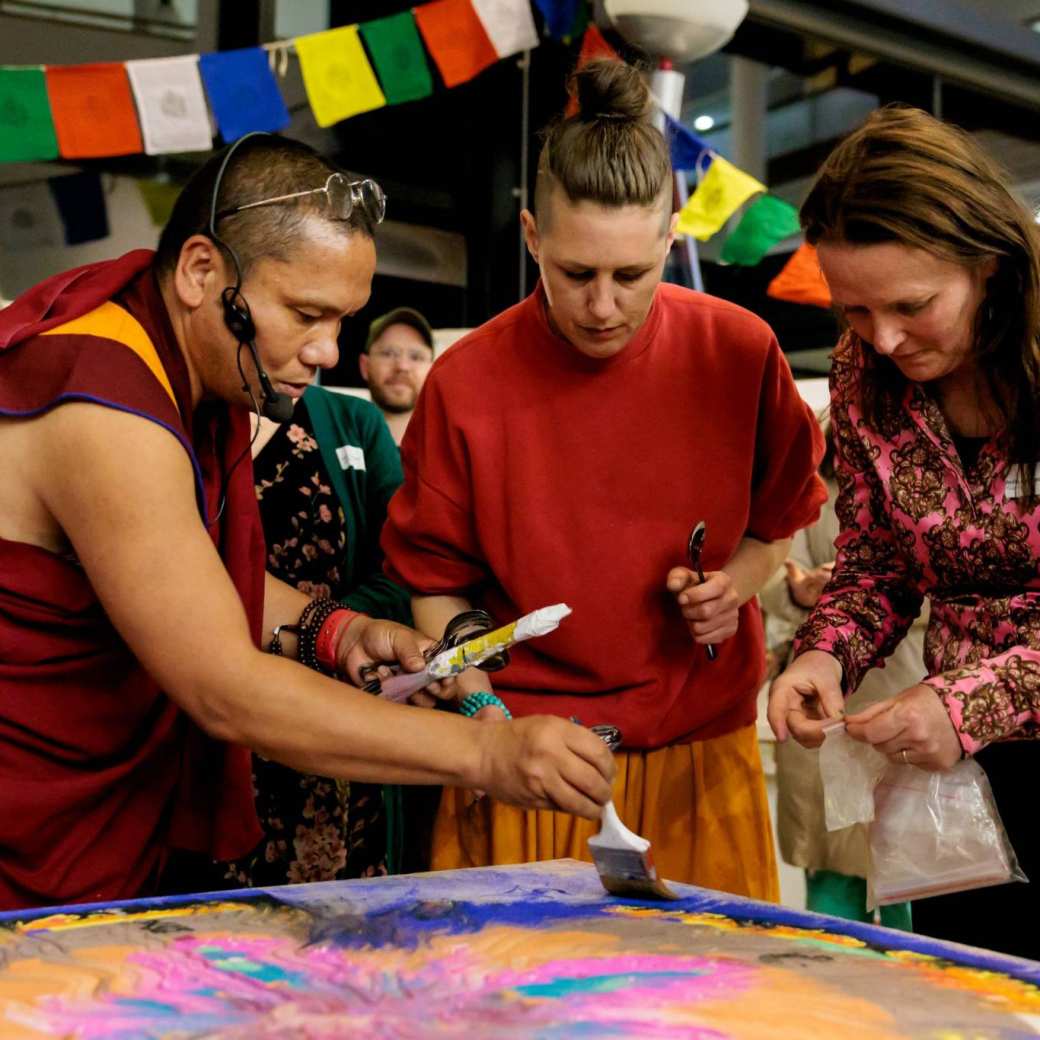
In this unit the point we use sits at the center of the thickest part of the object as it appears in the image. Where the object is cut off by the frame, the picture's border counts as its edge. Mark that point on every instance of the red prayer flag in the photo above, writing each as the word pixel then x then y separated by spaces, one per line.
pixel 456 39
pixel 800 280
pixel 93 110
pixel 593 45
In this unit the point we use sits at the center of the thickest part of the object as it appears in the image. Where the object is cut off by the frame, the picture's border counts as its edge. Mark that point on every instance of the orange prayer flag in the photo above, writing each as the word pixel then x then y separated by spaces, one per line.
pixel 456 39
pixel 800 280
pixel 93 110
pixel 592 46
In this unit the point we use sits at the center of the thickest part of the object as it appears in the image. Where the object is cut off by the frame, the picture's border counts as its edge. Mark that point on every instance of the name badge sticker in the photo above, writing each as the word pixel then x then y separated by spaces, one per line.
pixel 351 457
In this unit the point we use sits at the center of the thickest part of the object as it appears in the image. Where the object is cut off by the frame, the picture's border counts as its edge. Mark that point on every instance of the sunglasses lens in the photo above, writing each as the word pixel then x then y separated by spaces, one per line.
pixel 373 200
pixel 344 195
pixel 338 191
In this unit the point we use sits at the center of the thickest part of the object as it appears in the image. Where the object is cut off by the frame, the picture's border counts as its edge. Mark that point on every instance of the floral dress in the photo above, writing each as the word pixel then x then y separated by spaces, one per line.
pixel 316 828
pixel 923 516
pixel 916 521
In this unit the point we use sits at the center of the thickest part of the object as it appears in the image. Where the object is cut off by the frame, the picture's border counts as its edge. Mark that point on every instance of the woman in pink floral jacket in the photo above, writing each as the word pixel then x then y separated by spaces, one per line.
pixel 935 403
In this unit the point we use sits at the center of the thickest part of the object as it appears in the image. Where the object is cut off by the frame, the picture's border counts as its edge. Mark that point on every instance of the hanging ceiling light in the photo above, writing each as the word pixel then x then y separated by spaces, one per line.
pixel 682 30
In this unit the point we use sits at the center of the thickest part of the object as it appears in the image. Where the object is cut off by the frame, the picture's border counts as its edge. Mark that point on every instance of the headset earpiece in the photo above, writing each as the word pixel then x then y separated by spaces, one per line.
pixel 236 315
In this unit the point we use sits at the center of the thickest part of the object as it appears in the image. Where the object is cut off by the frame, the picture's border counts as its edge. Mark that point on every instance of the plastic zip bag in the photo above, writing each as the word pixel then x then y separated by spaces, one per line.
pixel 930 833
pixel 935 833
pixel 850 771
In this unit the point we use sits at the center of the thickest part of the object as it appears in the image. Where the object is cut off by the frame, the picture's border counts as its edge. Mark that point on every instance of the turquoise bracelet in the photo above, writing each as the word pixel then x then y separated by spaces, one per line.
pixel 472 703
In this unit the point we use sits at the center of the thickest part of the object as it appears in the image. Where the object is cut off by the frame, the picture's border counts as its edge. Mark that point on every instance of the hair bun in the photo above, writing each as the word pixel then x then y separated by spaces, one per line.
pixel 609 89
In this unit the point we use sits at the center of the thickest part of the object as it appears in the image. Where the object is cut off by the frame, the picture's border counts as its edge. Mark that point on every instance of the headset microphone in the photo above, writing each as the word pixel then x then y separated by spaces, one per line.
pixel 276 406
pixel 237 317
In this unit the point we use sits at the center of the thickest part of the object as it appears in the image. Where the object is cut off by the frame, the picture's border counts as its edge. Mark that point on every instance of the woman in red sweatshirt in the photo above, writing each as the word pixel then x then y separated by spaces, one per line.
pixel 562 453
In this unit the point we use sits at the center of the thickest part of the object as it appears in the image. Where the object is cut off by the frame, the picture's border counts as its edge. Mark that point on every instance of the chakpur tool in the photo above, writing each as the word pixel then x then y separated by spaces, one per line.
pixel 694 548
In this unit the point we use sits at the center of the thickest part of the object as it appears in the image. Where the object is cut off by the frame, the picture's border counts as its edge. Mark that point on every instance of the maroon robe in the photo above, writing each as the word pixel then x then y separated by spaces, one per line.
pixel 100 772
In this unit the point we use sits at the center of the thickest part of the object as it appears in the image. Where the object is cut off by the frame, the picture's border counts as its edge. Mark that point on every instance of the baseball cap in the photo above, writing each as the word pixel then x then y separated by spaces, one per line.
pixel 400 316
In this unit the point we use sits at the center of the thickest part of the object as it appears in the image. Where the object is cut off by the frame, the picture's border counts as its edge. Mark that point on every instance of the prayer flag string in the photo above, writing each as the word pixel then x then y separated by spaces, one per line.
pixel 179 104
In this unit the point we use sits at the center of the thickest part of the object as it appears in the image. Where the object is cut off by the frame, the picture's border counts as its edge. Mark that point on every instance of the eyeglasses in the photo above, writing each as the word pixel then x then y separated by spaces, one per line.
pixel 416 355
pixel 341 198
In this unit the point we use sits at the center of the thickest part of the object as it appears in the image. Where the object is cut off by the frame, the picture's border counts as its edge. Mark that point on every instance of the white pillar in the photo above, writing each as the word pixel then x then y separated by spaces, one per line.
pixel 667 87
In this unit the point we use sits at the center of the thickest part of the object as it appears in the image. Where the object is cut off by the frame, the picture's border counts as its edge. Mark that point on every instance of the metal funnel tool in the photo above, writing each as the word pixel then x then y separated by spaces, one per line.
pixel 693 550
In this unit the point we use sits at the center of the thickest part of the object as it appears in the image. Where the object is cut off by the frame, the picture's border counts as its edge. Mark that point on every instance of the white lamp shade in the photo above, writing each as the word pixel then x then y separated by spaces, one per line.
pixel 683 30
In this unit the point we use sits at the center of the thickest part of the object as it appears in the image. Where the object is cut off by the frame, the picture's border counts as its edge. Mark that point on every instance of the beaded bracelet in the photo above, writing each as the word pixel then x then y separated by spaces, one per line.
pixel 473 702
pixel 307 629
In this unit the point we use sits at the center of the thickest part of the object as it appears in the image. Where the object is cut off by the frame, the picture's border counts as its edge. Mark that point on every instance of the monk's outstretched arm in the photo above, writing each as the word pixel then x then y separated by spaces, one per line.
pixel 122 490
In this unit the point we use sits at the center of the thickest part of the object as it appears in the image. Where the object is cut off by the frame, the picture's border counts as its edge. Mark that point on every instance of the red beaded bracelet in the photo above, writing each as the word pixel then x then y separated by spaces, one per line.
pixel 328 637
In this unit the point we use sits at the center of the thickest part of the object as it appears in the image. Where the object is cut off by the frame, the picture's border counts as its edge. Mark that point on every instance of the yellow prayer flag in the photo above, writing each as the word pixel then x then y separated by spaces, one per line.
pixel 723 189
pixel 339 80
pixel 158 198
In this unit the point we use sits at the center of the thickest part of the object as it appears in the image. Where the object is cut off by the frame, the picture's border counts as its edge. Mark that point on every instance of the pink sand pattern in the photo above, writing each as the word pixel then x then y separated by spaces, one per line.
pixel 262 987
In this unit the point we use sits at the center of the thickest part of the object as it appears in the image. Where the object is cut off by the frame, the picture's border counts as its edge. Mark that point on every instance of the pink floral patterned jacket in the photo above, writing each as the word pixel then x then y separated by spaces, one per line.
pixel 914 523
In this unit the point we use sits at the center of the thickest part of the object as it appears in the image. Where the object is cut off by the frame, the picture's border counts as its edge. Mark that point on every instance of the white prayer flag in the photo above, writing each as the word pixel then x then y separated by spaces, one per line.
pixel 171 105
pixel 29 218
pixel 509 25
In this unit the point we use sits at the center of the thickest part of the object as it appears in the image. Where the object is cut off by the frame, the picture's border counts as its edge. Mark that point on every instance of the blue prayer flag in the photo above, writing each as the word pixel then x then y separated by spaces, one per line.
pixel 687 149
pixel 559 16
pixel 243 92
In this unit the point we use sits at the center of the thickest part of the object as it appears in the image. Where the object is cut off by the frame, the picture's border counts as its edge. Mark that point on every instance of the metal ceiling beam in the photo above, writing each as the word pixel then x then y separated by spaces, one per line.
pixel 956 60
pixel 994 31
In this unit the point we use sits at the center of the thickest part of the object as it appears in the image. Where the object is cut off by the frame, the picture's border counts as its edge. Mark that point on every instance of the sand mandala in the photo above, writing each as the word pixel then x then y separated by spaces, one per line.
pixel 526 952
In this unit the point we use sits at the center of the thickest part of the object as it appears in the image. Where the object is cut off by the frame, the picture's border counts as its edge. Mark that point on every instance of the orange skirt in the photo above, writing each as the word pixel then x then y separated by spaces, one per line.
pixel 702 806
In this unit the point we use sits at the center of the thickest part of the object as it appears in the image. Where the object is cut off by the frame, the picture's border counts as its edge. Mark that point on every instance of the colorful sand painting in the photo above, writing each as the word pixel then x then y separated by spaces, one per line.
pixel 537 951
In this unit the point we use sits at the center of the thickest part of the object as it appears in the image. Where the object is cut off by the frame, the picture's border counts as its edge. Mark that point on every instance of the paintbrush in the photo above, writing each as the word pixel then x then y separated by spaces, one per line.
pixel 624 860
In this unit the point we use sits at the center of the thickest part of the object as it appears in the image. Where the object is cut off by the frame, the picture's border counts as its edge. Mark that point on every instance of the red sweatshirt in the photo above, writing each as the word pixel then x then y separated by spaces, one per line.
pixel 536 475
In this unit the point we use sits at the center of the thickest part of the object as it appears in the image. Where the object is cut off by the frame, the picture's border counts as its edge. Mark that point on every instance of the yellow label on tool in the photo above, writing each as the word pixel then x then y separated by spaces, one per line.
pixel 480 649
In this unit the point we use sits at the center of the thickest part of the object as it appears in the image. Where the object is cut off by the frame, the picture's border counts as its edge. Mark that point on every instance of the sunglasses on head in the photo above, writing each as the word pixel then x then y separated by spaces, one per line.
pixel 342 197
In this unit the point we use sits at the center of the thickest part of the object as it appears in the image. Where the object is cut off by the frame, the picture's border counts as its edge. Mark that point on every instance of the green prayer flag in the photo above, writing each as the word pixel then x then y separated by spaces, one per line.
pixel 580 23
pixel 398 56
pixel 768 221
pixel 26 127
